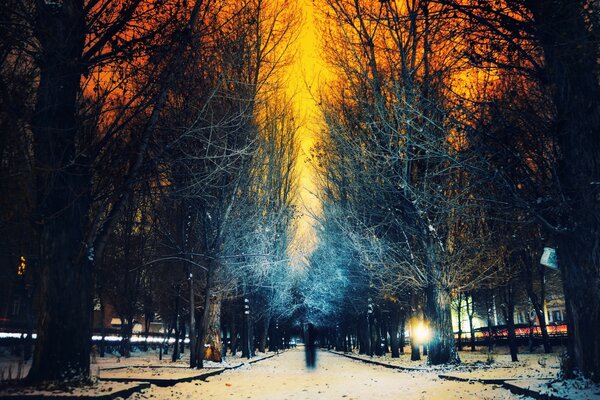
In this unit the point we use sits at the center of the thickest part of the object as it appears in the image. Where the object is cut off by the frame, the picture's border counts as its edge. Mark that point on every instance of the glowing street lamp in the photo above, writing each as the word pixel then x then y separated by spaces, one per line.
pixel 422 333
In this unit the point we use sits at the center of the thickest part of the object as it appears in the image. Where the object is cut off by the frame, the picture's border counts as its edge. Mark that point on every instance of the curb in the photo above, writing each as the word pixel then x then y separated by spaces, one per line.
pixel 264 358
pixel 124 393
pixel 487 381
pixel 529 392
pixel 164 382
pixel 511 384
pixel 379 363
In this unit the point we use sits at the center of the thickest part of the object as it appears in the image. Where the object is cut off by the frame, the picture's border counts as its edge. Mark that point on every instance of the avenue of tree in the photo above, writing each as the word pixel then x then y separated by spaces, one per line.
pixel 460 139
pixel 149 158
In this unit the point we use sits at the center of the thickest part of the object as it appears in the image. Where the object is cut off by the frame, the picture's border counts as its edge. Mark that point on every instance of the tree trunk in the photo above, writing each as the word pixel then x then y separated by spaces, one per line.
pixel 531 335
pixel 193 337
pixel 470 315
pixel 508 310
pixel 251 337
pixel 539 312
pixel 573 73
pixel 245 336
pixel 29 339
pixel 402 333
pixel 369 336
pixel 583 309
pixel 212 336
pixel 62 350
pixel 512 337
pixel 147 321
pixel 126 330
pixel 393 328
pixel 442 348
pixel 175 355
pixel 488 308
pixel 102 327
pixel 233 333
pixel 262 334
pixel 274 336
pixel 182 326
pixel 459 316
pixel 537 302
pixel 377 339
pixel 415 351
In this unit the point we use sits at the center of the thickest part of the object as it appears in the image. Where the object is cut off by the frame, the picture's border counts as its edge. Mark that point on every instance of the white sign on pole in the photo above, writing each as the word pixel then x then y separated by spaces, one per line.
pixel 549 258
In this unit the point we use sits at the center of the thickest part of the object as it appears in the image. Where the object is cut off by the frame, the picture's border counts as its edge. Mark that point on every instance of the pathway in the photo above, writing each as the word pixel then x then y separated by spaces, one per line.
pixel 336 377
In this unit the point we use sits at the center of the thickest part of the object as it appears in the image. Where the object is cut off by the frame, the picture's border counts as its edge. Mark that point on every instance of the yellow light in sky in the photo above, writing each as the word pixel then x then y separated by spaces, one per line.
pixel 307 72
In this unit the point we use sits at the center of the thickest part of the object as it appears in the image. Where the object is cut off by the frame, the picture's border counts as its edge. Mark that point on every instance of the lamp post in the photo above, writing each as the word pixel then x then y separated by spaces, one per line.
pixel 369 322
pixel 248 339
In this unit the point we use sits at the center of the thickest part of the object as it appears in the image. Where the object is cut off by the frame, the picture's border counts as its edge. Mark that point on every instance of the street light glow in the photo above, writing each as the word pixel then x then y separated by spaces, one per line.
pixel 422 333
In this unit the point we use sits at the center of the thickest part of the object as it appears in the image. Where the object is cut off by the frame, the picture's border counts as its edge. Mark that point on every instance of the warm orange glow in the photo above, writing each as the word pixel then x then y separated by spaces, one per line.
pixel 307 75
pixel 22 266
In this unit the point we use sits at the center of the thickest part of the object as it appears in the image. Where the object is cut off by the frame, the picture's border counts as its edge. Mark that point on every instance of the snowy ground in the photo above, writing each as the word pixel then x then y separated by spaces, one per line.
pixel 336 377
pixel 98 389
pixel 536 371
pixel 479 364
pixel 11 367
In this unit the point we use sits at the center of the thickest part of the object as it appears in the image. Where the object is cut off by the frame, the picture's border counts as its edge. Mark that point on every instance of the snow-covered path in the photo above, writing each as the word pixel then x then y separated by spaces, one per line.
pixel 336 377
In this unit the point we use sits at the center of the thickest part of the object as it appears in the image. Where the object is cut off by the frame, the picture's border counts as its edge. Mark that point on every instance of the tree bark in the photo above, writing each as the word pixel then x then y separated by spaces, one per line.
pixel 488 308
pixel 508 310
pixel 233 333
pixel 262 335
pixel 442 348
pixel 470 315
pixel 245 335
pixel 393 328
pixel 175 355
pixel 537 302
pixel 402 333
pixel 415 351
pixel 62 351
pixel 571 63
pixel 459 315
pixel 211 323
pixel 193 337
pixel 126 330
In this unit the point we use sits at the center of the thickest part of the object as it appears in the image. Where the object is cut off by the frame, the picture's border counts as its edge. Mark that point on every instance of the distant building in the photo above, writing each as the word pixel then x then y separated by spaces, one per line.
pixel 554 307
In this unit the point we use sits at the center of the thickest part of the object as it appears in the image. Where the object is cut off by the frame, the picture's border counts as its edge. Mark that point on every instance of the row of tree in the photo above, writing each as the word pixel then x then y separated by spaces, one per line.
pixel 147 163
pixel 460 139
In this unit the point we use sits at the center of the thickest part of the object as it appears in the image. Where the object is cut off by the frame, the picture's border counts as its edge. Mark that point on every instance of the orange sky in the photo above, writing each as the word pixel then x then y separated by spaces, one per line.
pixel 306 73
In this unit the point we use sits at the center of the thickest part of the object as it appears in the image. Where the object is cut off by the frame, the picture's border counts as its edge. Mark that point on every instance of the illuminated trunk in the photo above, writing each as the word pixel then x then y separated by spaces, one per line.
pixel 416 316
pixel 62 350
pixel 415 352
pixel 438 301
pixel 442 348
pixel 212 339
pixel 211 323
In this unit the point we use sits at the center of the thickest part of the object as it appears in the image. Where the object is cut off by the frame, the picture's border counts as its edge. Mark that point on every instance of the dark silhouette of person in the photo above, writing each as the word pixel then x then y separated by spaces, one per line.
pixel 310 348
